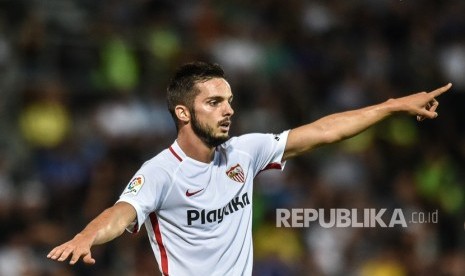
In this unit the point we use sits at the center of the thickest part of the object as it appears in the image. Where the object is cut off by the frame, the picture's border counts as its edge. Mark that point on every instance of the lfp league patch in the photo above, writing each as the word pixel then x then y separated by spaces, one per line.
pixel 135 185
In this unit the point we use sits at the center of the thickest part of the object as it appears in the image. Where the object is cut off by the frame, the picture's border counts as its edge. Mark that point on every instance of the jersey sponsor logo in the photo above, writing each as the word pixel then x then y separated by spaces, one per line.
pixel 236 173
pixel 189 194
pixel 135 185
pixel 210 216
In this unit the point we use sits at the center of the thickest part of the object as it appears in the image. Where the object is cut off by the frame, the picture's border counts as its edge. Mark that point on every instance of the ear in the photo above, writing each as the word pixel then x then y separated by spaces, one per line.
pixel 183 114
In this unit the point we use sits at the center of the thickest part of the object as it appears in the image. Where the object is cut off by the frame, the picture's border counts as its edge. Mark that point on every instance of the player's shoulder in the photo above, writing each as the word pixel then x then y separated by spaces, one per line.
pixel 251 139
pixel 163 162
pixel 244 138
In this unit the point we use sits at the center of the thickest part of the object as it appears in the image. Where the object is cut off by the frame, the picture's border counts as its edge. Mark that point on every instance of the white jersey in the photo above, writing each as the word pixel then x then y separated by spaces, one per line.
pixel 198 216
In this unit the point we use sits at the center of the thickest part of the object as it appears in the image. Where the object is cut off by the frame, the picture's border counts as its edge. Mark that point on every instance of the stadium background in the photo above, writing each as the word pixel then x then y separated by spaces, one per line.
pixel 82 105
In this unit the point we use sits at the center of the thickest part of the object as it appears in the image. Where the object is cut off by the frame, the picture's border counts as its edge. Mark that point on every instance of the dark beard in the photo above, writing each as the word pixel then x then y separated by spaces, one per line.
pixel 205 133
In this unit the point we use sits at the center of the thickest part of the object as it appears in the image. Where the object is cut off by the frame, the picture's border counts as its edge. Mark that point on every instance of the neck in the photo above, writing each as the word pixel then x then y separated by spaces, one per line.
pixel 194 147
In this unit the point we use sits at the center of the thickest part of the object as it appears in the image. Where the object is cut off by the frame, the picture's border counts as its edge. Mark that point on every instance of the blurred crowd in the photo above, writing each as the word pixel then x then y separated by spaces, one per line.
pixel 82 106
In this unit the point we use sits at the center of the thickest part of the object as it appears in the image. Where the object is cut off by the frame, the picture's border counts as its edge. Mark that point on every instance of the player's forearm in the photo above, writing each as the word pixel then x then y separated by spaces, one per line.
pixel 340 126
pixel 110 224
pixel 336 127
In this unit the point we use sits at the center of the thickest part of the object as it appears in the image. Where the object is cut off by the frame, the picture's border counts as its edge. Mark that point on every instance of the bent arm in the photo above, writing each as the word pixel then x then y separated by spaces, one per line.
pixel 110 224
pixel 340 126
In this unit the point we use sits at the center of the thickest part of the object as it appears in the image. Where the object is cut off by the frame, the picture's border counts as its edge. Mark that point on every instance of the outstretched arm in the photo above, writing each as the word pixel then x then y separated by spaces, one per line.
pixel 339 126
pixel 110 224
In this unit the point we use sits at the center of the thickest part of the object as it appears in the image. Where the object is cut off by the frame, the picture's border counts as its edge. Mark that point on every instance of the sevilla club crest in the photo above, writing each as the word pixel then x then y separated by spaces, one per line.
pixel 236 173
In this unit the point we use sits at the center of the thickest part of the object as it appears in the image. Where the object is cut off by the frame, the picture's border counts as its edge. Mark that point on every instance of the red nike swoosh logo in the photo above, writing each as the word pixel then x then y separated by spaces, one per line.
pixel 188 194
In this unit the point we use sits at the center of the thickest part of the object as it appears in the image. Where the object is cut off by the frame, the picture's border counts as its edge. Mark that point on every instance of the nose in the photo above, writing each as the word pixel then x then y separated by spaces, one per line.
pixel 228 111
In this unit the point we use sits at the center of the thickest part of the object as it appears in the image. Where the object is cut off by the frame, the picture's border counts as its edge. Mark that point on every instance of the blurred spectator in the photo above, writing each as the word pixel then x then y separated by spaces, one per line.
pixel 45 121
pixel 452 61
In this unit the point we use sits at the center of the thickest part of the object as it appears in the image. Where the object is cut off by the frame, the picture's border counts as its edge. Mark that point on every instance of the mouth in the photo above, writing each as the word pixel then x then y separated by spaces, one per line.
pixel 224 125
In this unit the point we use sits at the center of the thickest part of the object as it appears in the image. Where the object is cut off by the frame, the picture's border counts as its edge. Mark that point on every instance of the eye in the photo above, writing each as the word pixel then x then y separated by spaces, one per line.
pixel 213 102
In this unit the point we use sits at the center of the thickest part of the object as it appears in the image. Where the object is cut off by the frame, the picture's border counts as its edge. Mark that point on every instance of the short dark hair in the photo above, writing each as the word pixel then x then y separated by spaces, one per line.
pixel 181 88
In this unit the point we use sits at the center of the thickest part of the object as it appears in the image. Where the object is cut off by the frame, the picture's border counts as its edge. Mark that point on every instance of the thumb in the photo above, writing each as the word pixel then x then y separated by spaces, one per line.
pixel 88 259
pixel 427 114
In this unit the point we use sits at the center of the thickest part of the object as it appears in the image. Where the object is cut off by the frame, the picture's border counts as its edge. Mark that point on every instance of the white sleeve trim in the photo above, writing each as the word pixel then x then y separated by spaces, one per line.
pixel 135 226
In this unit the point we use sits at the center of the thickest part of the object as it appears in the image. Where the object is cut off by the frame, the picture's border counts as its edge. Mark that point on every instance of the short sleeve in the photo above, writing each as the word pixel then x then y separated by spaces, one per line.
pixel 265 149
pixel 145 193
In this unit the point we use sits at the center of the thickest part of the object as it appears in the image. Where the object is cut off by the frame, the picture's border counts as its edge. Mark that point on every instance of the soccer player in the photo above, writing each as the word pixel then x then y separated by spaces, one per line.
pixel 195 197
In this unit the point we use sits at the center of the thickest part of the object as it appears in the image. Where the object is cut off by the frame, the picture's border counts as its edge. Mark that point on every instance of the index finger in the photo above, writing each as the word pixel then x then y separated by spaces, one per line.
pixel 440 90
